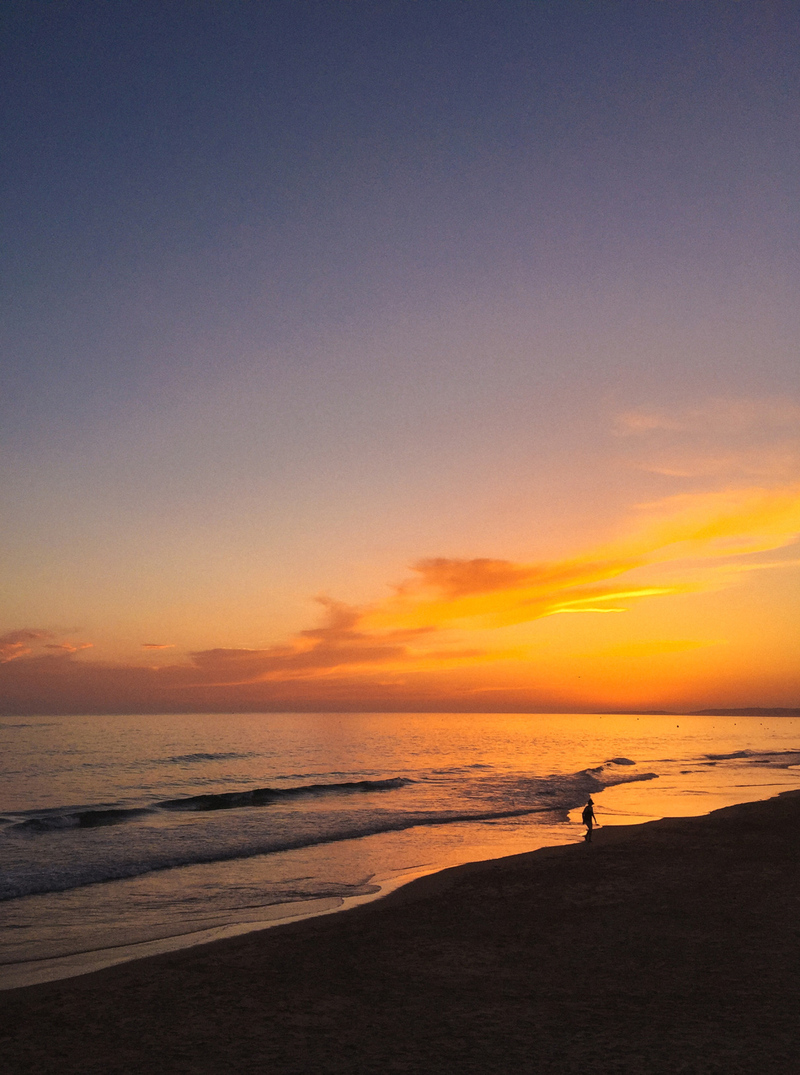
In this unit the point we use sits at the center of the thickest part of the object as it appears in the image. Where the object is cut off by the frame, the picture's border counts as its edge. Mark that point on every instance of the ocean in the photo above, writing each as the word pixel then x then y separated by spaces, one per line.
pixel 123 836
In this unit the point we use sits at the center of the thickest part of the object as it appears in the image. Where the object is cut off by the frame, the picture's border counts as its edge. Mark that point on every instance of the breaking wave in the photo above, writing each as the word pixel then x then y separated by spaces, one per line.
pixel 230 800
pixel 79 819
pixel 53 820
pixel 526 796
pixel 781 758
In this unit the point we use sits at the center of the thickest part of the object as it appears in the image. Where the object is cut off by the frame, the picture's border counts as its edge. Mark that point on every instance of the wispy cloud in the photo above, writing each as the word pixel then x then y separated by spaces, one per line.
pixel 27 641
pixel 722 440
pixel 444 621
pixel 492 593
pixel 722 414
pixel 17 644
pixel 343 642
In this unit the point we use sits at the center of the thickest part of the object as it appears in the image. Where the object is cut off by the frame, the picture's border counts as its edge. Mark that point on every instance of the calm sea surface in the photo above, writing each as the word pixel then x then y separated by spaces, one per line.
pixel 122 836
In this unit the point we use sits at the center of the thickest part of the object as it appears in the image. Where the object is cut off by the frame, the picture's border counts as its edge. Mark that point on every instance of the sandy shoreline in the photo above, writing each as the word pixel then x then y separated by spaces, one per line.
pixel 668 947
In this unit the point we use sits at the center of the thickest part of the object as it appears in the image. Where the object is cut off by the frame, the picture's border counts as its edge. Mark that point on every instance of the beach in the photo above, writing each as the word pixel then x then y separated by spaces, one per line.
pixel 665 947
pixel 125 837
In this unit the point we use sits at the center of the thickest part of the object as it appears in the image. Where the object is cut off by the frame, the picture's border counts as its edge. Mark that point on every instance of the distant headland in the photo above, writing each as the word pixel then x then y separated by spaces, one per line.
pixel 752 712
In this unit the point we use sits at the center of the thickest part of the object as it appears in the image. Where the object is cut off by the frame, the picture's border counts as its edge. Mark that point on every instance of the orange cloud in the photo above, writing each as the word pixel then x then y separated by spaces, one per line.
pixel 729 522
pixel 158 645
pixel 700 528
pixel 23 643
pixel 339 645
pixel 17 644
pixel 439 637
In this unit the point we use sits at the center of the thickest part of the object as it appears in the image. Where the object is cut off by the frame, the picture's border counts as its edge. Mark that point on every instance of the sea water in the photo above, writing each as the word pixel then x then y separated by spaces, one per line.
pixel 122 835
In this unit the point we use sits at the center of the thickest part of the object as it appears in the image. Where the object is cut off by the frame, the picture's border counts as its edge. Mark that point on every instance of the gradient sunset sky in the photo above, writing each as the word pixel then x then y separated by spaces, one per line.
pixel 417 355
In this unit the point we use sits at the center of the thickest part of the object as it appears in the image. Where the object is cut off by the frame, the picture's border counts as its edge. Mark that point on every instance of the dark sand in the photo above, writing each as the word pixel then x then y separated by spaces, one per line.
pixel 669 947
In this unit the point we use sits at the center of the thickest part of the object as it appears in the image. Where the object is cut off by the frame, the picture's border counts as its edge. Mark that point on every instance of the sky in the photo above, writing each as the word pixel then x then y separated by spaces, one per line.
pixel 422 355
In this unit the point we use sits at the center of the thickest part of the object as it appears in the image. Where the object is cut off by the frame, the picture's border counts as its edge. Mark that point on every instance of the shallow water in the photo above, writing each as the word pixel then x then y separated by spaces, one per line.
pixel 125 835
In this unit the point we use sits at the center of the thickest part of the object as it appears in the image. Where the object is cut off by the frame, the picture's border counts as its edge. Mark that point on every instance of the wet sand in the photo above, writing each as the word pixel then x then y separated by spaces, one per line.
pixel 671 947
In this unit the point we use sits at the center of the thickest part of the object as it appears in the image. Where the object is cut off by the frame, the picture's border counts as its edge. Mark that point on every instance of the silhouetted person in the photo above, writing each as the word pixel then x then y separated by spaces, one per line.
pixel 589 819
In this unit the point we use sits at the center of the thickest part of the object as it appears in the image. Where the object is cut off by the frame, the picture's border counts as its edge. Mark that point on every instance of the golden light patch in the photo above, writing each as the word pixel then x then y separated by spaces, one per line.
pixel 657 647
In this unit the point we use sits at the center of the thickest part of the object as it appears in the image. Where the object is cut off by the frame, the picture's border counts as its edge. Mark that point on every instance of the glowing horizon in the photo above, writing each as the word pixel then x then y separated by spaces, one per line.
pixel 457 628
